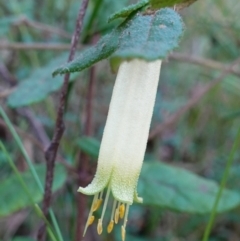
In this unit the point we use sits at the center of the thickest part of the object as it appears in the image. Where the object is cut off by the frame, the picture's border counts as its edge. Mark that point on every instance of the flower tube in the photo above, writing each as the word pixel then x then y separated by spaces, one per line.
pixel 124 141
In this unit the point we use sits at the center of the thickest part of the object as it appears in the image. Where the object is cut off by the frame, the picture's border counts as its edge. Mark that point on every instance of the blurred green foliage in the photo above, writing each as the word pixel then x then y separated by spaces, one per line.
pixel 13 197
pixel 199 141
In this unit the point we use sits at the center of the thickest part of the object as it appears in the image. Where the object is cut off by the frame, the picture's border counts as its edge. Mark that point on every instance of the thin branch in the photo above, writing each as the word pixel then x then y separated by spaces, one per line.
pixel 6 93
pixel 172 119
pixel 35 46
pixel 83 166
pixel 35 124
pixel 7 76
pixel 37 127
pixel 208 63
pixel 38 144
pixel 24 20
pixel 83 158
pixel 89 102
pixel 51 152
pixel 24 134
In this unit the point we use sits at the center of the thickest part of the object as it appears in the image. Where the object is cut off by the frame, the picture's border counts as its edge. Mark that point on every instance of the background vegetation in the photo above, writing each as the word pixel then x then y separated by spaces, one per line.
pixel 195 122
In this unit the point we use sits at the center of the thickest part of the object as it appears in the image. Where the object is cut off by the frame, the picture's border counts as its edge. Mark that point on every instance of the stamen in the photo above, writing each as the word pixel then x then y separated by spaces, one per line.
pixel 123 232
pixel 111 223
pixel 113 209
pixel 123 229
pixel 116 216
pixel 89 222
pixel 99 226
pixel 110 226
pixel 105 203
pixel 126 216
pixel 121 210
pixel 98 202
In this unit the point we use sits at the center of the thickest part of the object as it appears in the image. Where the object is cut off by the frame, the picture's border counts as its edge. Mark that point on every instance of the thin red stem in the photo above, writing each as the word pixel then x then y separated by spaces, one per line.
pixel 51 152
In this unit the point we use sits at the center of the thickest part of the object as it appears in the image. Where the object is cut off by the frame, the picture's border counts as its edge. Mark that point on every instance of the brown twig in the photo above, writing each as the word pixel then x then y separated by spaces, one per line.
pixel 38 144
pixel 35 46
pixel 35 124
pixel 24 134
pixel 51 152
pixel 89 102
pixel 172 119
pixel 208 63
pixel 7 76
pixel 37 127
pixel 24 20
pixel 83 158
pixel 6 93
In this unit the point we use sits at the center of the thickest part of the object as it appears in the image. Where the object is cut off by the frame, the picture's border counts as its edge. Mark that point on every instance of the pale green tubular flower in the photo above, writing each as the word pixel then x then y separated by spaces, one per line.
pixel 124 141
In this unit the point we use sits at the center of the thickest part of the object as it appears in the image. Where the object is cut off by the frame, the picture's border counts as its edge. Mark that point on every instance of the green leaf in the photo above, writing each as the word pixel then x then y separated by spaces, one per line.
pixel 125 12
pixel 172 187
pixel 38 85
pixel 178 189
pixel 13 197
pixel 89 146
pixel 148 37
pixel 105 47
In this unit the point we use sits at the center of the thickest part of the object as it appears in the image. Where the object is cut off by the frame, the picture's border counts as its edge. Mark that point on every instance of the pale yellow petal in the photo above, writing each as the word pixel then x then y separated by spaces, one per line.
pixel 137 81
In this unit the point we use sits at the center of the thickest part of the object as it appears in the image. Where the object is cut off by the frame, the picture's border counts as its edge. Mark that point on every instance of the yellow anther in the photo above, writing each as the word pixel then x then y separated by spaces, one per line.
pixel 91 219
pixel 97 204
pixel 123 231
pixel 99 226
pixel 110 226
pixel 121 210
pixel 116 216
